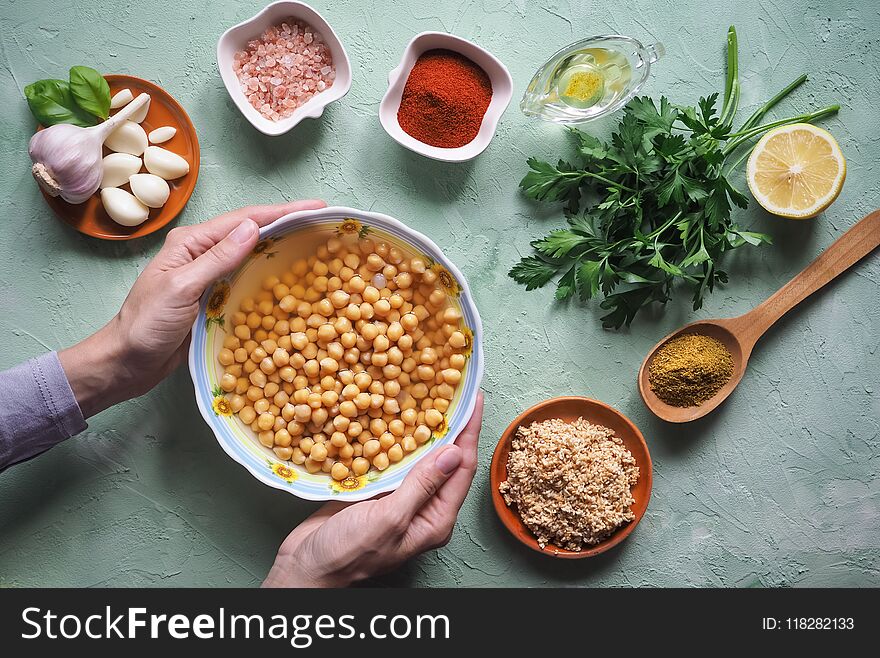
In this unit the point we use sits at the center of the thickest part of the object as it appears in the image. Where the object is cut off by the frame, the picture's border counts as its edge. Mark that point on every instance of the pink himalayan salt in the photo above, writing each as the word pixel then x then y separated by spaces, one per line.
pixel 284 68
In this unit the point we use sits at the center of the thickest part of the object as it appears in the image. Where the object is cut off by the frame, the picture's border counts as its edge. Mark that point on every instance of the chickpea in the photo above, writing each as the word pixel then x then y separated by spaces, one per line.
pixel 382 307
pixel 266 438
pixel 329 365
pixel 395 453
pixel 226 357
pixel 360 466
pixel 425 373
pixel 422 434
pixel 381 461
pixel 311 466
pixel 348 409
pixel 457 361
pixel 247 415
pixel 386 440
pixel 371 294
pixel 362 401
pixel 228 381
pixel 302 413
pixel 339 471
pixel 441 405
pixel 265 421
pixel 371 448
pixel 409 321
pixel 306 445
pixel 258 378
pixel 318 452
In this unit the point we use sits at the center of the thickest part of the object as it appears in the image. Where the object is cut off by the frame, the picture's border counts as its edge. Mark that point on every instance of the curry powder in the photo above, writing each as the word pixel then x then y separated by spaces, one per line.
pixel 690 369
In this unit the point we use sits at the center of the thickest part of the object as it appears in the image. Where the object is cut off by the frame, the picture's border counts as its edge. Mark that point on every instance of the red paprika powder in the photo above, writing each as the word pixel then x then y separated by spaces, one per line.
pixel 444 100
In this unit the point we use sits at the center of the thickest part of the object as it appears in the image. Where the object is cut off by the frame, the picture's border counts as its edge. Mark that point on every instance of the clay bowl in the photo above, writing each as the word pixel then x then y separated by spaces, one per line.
pixel 569 409
pixel 91 218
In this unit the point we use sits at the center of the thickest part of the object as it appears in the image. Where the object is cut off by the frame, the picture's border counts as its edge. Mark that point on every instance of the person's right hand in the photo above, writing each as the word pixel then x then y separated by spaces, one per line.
pixel 149 337
pixel 343 543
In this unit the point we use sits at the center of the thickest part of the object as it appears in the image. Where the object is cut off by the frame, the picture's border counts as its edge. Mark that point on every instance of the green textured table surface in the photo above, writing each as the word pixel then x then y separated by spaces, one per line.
pixel 778 487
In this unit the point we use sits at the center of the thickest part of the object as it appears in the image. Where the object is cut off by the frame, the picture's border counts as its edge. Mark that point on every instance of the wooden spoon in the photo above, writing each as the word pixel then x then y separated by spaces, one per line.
pixel 740 334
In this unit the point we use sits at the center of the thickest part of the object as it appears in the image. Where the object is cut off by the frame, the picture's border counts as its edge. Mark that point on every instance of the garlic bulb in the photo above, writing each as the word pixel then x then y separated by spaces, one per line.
pixel 67 158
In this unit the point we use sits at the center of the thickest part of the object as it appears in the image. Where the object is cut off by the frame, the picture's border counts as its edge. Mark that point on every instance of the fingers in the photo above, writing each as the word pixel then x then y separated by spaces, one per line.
pixel 264 215
pixel 219 260
pixel 197 239
pixel 422 483
pixel 453 493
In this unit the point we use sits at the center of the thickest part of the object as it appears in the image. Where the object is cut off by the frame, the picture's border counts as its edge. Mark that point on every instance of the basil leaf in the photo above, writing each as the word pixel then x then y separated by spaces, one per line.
pixel 90 90
pixel 51 102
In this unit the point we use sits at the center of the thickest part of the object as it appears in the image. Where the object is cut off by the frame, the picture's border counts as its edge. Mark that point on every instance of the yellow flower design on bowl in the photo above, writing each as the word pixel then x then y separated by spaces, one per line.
pixel 220 405
pixel 284 471
pixel 217 301
pixel 445 278
pixel 441 429
pixel 351 483
pixel 469 341
pixel 264 247
pixel 351 226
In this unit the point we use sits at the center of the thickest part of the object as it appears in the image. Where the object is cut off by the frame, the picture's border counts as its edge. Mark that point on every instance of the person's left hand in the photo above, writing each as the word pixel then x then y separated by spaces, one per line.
pixel 149 337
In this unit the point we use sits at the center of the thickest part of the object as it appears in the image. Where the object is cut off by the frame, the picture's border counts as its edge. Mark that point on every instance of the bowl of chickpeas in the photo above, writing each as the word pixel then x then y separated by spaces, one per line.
pixel 343 350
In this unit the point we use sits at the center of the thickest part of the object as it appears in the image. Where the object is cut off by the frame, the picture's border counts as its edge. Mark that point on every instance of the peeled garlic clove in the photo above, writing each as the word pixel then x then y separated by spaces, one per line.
pixel 141 114
pixel 129 137
pixel 123 208
pixel 121 99
pixel 164 163
pixel 163 134
pixel 118 167
pixel 149 189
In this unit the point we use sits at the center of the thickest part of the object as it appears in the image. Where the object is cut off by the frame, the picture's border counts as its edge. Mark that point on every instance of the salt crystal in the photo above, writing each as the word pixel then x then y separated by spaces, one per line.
pixel 290 59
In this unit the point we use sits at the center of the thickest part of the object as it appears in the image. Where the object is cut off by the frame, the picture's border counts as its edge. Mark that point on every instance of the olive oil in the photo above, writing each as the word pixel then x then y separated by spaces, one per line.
pixel 589 79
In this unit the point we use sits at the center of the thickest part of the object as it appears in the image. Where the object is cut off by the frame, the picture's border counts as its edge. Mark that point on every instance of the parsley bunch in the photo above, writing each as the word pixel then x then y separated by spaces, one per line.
pixel 650 208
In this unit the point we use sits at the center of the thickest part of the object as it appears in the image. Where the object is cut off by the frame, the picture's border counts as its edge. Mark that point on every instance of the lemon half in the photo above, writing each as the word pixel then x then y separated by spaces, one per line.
pixel 796 171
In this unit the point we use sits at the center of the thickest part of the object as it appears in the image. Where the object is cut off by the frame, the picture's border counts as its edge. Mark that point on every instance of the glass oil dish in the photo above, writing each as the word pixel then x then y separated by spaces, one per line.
pixel 589 79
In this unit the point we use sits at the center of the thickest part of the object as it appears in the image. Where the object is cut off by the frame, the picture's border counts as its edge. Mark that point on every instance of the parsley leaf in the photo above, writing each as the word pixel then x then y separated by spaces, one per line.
pixel 649 209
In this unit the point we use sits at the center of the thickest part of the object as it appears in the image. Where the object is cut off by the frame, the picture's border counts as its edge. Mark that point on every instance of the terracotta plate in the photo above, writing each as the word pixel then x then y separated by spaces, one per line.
pixel 569 409
pixel 90 217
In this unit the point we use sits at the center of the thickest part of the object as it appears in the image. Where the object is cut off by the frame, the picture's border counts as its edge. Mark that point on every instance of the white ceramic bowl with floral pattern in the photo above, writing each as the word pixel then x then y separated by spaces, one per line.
pixel 289 238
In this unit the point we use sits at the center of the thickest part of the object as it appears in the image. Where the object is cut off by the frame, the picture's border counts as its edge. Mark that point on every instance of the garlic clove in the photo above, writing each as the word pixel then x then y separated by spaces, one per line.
pixel 124 208
pixel 164 163
pixel 129 137
pixel 118 167
pixel 163 134
pixel 149 189
pixel 121 99
pixel 141 114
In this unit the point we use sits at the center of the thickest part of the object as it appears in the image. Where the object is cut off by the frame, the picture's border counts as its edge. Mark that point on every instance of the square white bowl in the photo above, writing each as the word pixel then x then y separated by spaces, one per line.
pixel 237 37
pixel 502 90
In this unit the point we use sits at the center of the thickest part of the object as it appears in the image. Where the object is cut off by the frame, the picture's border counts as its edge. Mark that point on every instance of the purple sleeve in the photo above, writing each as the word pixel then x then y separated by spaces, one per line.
pixel 37 409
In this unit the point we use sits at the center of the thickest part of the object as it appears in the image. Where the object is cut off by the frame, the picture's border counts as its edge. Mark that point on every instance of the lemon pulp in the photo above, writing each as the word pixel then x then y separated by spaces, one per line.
pixel 796 171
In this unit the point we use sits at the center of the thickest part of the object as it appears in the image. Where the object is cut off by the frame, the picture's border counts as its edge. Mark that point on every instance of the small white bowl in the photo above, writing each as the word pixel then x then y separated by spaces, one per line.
pixel 236 38
pixel 502 90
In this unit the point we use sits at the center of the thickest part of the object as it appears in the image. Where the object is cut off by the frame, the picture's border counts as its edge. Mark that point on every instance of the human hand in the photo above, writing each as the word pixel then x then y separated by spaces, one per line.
pixel 149 337
pixel 343 543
